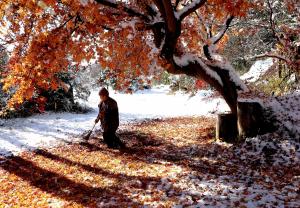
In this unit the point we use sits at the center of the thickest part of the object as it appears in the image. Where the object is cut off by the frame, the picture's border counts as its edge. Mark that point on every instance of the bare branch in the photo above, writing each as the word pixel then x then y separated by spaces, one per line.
pixel 66 22
pixel 272 23
pixel 190 8
pixel 206 26
pixel 128 10
pixel 269 55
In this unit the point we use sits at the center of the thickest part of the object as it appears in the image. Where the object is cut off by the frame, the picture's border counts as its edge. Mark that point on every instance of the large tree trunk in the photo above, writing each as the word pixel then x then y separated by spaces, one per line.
pixel 228 89
pixel 215 72
pixel 226 128
pixel 200 68
pixel 250 119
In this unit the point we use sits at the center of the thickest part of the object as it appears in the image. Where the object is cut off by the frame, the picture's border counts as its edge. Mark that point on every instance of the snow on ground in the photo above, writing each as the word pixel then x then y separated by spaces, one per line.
pixel 217 174
pixel 281 147
pixel 51 129
pixel 249 183
pixel 252 174
pixel 257 70
pixel 287 110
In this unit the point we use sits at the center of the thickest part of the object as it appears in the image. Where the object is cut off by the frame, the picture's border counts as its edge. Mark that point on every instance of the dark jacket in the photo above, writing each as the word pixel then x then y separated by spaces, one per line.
pixel 109 115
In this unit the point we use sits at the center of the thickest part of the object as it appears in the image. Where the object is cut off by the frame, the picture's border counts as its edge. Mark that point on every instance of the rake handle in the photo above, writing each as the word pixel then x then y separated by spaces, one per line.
pixel 94 126
pixel 86 137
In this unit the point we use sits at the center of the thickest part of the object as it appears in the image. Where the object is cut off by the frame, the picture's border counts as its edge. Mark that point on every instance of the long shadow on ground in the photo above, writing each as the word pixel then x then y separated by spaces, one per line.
pixel 62 187
pixel 199 154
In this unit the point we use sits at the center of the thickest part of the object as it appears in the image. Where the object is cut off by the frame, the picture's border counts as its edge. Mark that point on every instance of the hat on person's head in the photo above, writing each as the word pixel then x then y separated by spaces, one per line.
pixel 103 91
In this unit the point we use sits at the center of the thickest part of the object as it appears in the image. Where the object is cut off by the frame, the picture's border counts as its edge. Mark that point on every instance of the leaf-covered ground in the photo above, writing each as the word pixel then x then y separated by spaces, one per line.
pixel 167 163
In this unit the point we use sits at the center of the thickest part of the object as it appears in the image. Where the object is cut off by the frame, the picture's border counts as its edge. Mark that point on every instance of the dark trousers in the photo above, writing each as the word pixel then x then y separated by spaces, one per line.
pixel 111 139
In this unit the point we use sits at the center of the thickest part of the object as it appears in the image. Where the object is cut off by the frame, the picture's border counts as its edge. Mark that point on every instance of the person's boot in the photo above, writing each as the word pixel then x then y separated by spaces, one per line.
pixel 119 143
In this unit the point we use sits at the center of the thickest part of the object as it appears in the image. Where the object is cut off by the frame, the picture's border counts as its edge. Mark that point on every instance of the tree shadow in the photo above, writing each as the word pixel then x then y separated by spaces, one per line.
pixel 62 187
pixel 90 147
pixel 203 157
pixel 99 171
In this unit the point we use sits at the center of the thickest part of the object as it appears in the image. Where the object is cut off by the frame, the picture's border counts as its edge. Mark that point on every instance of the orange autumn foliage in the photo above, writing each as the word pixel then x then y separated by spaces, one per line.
pixel 50 35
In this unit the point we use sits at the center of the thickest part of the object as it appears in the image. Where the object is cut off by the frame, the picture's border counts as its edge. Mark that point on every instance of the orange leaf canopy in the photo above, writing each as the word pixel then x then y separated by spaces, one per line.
pixel 50 35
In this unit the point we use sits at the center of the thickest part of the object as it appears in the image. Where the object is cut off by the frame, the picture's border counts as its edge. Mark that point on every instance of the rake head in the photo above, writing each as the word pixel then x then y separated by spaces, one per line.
pixel 87 135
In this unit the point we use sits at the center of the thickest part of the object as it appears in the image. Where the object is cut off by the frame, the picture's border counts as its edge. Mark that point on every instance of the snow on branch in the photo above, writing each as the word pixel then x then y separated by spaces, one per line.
pixel 225 65
pixel 221 33
pixel 209 49
pixel 131 24
pixel 190 8
pixel 187 58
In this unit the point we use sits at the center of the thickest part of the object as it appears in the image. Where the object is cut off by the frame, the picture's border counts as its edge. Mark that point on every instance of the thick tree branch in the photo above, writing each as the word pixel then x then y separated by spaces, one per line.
pixel 167 12
pixel 190 8
pixel 171 30
pixel 207 49
pixel 189 64
pixel 129 11
pixel 217 77
pixel 169 16
pixel 220 35
pixel 108 3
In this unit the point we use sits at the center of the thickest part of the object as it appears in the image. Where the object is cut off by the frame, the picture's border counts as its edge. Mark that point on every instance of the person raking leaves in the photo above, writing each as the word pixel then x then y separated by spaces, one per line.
pixel 109 117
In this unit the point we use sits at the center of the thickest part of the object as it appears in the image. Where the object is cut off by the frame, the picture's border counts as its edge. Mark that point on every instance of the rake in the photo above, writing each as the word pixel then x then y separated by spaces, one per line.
pixel 88 134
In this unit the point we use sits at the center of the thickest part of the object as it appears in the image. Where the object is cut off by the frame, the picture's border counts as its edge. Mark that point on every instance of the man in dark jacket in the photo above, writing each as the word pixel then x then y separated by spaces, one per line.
pixel 109 117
